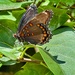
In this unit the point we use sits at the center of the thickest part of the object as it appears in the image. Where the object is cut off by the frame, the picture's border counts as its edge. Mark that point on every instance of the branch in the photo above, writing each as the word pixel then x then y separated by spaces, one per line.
pixel 30 60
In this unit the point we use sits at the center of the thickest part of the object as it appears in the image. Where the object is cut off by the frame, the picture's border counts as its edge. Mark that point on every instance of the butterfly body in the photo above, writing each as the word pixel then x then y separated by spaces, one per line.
pixel 36 29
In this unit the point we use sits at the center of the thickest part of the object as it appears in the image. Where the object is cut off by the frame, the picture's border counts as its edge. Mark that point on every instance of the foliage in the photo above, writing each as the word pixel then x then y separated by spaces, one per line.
pixel 53 58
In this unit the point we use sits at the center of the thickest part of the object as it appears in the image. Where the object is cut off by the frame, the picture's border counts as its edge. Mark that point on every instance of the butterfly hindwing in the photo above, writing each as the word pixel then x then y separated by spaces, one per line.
pixel 35 32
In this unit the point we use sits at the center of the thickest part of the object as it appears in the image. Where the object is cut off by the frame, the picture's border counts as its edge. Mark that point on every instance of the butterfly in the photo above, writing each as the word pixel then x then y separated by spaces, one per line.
pixel 33 27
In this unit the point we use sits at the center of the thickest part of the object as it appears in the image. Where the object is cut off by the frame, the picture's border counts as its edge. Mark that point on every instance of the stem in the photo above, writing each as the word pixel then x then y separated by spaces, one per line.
pixel 29 60
pixel 22 54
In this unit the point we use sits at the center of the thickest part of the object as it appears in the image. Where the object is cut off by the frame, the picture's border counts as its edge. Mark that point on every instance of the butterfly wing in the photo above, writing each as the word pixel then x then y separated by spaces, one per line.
pixel 35 32
pixel 45 16
pixel 29 14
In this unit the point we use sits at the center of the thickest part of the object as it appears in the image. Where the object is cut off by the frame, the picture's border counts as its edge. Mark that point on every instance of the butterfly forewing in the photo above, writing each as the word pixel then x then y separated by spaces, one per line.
pixel 28 15
pixel 44 17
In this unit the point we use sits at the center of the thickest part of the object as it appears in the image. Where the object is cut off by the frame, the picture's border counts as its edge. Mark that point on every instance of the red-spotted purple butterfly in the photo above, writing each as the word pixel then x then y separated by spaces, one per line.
pixel 33 27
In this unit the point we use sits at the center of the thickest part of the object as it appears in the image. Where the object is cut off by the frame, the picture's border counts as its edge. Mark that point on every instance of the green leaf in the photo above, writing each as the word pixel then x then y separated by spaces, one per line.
pixel 52 65
pixel 18 14
pixel 4 59
pixel 0 64
pixel 34 68
pixel 8 5
pixel 9 16
pixel 7 52
pixel 10 62
pixel 9 56
pixel 70 24
pixel 67 2
pixel 59 18
pixel 62 45
pixel 63 18
pixel 45 3
pixel 6 36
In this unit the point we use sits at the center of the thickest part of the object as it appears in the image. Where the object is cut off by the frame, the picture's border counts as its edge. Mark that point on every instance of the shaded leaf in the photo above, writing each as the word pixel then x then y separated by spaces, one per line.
pixel 62 45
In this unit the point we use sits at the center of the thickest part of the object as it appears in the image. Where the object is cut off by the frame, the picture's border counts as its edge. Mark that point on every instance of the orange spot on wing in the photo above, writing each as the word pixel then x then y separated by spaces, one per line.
pixel 32 34
pixel 44 32
pixel 28 34
pixel 41 27
pixel 26 28
pixel 31 24
pixel 45 35
pixel 38 25
pixel 22 34
pixel 27 31
pixel 43 38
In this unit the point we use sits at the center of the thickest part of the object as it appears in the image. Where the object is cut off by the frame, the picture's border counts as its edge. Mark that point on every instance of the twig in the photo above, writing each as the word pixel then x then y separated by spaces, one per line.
pixel 29 60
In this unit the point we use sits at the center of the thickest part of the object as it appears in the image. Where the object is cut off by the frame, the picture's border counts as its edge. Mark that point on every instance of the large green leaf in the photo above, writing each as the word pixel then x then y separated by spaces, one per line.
pixel 62 45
